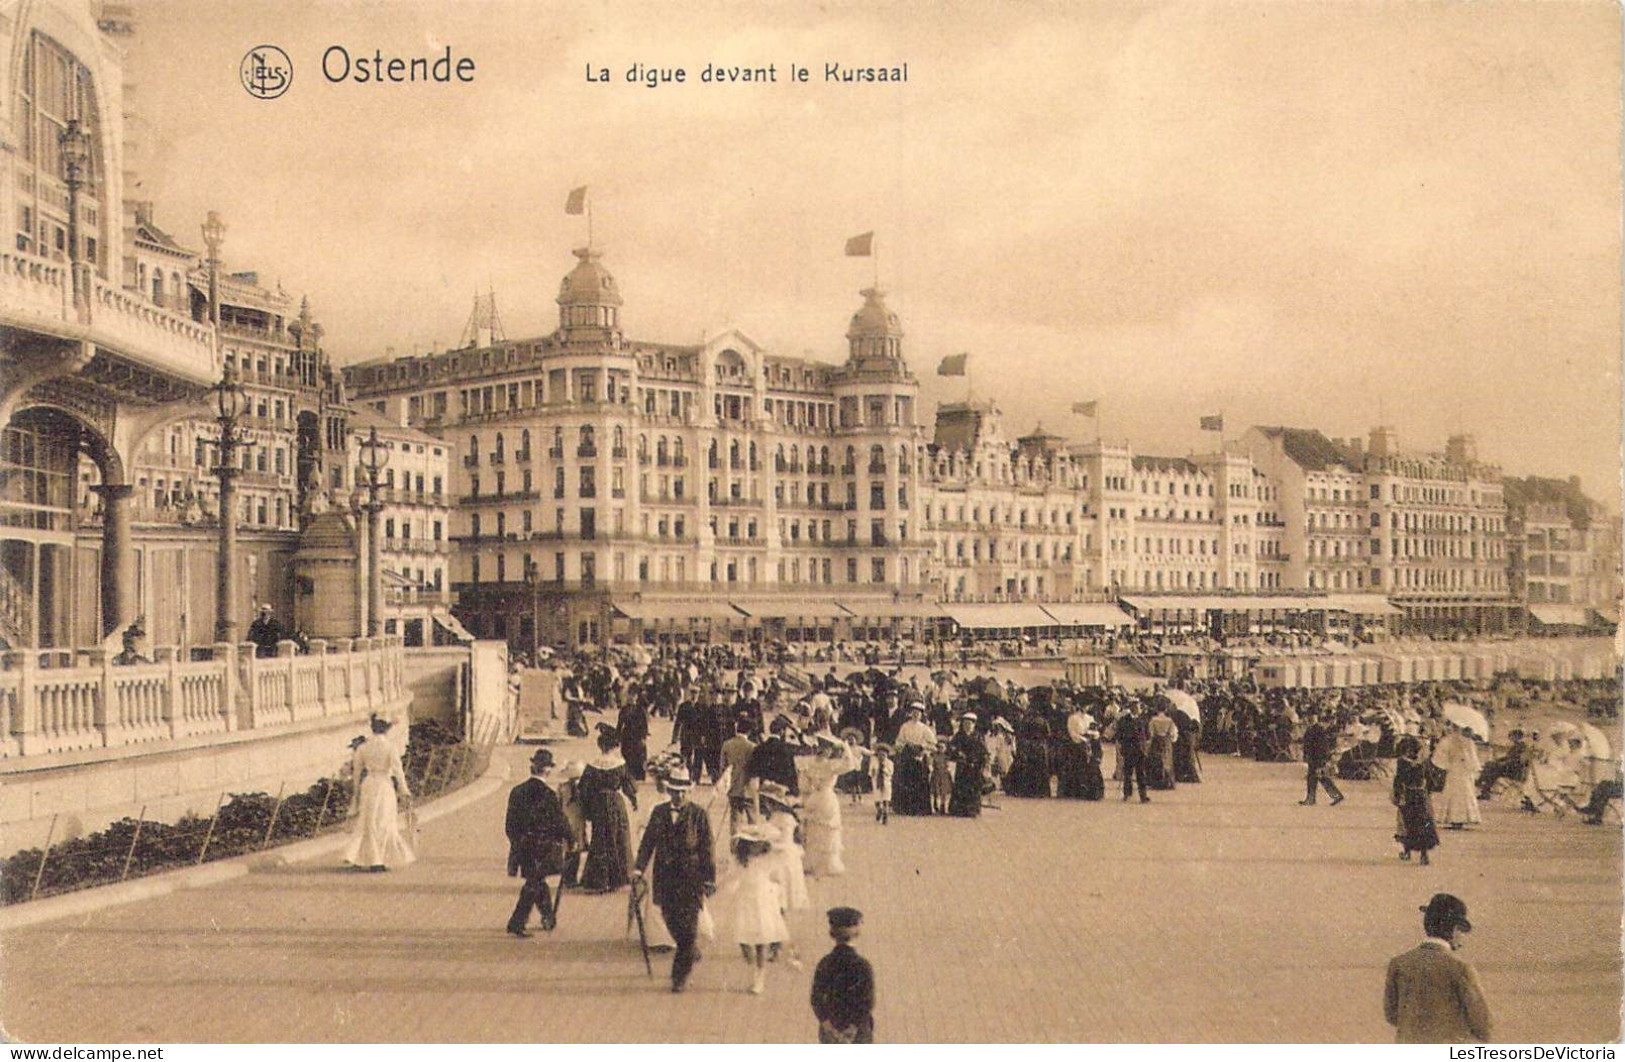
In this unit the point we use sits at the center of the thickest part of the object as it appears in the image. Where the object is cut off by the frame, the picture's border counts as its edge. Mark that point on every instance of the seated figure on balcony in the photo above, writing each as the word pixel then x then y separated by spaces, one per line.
pixel 131 653
pixel 265 632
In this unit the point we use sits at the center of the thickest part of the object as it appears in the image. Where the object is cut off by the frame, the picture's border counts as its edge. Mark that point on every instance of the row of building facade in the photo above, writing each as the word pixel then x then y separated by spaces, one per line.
pixel 600 477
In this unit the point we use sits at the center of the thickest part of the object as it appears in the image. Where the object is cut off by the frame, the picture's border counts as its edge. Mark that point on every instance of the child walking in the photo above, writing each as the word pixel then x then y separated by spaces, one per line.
pixel 758 903
pixel 880 770
pixel 942 778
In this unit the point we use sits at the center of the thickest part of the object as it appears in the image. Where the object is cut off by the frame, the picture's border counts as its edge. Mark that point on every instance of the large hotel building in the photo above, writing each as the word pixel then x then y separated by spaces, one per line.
pixel 608 486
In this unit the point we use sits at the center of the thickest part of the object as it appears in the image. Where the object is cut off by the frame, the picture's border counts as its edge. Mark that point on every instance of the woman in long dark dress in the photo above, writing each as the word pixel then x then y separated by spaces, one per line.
pixel 1416 831
pixel 911 787
pixel 1094 783
pixel 1187 755
pixel 609 852
pixel 1030 771
pixel 969 753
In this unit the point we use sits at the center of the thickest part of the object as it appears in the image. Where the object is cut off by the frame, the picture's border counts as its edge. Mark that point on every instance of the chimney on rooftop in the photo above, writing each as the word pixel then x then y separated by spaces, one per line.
pixel 1384 442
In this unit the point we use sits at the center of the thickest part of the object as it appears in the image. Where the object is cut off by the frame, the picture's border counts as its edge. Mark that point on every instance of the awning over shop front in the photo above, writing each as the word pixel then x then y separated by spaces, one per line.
pixel 678 611
pixel 894 609
pixel 1561 615
pixel 791 609
pixel 1174 604
pixel 1363 604
pixel 996 617
pixel 1084 615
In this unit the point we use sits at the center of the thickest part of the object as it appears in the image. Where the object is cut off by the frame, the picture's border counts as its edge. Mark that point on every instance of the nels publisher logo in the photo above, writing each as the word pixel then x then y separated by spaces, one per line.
pixel 266 72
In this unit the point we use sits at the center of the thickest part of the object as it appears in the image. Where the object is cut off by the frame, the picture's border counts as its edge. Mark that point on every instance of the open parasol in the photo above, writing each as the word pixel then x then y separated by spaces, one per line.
pixel 1468 718
pixel 1184 704
pixel 1597 745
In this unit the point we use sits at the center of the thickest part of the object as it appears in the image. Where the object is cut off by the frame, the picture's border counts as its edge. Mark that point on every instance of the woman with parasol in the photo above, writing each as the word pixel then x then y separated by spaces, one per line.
pixel 1456 755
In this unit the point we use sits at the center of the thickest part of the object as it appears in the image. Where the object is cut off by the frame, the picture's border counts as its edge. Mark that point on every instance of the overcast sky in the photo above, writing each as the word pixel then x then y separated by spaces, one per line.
pixel 1309 214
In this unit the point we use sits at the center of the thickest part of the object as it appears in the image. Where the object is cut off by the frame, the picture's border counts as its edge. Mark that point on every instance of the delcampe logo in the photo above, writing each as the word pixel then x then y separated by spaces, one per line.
pixel 266 71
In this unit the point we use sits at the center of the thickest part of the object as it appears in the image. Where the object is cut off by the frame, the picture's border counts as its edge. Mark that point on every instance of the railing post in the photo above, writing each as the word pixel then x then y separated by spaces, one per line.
pixel 39 872
pixel 270 827
pixel 135 839
pixel 105 703
pixel 248 675
pixel 25 723
pixel 318 652
pixel 172 687
pixel 209 834
pixel 225 654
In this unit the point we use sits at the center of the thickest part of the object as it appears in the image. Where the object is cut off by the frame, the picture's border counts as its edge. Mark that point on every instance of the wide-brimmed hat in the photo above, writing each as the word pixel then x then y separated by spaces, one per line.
pixel 1000 723
pixel 776 793
pixel 679 779
pixel 1448 910
pixel 968 715
pixel 881 746
pixel 752 831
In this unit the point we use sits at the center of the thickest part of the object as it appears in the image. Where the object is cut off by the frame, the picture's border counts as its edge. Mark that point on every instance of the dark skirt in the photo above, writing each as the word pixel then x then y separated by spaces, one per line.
pixel 1094 786
pixel 1072 771
pixel 607 853
pixel 1029 770
pixel 1416 830
pixel 1187 761
pixel 911 788
pixel 966 798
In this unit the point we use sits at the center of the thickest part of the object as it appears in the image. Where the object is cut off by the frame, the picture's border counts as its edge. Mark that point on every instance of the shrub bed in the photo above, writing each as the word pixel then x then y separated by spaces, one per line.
pixel 436 762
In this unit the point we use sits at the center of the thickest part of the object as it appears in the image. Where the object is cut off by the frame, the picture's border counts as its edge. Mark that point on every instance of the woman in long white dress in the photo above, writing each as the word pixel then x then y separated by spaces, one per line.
pixel 376 765
pixel 1458 804
pixel 821 806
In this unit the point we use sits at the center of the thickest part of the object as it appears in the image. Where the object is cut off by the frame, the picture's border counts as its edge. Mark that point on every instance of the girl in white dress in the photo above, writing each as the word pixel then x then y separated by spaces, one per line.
pixel 758 903
pixel 780 826
pixel 376 766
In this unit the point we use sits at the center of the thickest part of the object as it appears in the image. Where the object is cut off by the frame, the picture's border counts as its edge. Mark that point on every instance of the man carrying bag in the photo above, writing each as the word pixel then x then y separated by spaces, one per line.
pixel 538 838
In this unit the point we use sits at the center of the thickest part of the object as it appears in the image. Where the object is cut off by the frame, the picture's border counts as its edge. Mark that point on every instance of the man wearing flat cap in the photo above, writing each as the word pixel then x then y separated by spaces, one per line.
pixel 1431 996
pixel 538 838
pixel 843 988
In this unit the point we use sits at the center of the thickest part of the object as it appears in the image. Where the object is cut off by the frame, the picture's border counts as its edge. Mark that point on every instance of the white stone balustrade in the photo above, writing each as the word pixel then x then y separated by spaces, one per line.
pixel 101 707
pixel 37 293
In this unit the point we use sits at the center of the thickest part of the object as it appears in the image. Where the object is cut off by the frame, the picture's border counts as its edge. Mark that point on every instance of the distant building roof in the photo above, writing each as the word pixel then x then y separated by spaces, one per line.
pixel 1180 465
pixel 1310 449
pixel 363 418
pixel 1537 490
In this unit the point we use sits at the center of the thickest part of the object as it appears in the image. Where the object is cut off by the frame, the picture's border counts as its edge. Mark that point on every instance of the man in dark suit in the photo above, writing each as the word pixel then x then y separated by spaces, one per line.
pixel 1432 997
pixel 633 727
pixel 678 840
pixel 1129 731
pixel 1318 743
pixel 538 837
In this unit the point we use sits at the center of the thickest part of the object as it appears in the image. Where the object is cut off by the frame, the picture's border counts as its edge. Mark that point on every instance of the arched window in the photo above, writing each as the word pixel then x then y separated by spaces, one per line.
pixel 677 448
pixel 524 442
pixel 500 450
pixel 474 448
pixel 660 450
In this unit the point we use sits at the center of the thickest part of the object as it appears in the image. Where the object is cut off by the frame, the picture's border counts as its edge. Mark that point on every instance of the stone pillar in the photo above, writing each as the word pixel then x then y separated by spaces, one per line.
pixel 118 556
pixel 225 584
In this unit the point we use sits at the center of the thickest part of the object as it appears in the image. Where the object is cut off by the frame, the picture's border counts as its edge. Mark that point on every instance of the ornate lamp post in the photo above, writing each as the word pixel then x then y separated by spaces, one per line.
pixel 374 457
pixel 214 233
pixel 75 144
pixel 230 402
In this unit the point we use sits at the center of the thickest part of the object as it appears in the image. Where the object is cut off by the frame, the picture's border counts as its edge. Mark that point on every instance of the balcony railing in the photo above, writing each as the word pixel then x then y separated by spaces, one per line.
pixel 96 710
pixel 37 294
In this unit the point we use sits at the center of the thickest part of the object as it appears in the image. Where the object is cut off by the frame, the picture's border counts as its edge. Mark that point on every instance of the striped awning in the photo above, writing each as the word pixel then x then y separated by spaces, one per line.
pixel 1561 615
pixel 790 608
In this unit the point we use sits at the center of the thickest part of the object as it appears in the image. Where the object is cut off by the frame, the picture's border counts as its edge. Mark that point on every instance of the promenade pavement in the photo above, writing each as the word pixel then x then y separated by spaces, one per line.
pixel 1219 912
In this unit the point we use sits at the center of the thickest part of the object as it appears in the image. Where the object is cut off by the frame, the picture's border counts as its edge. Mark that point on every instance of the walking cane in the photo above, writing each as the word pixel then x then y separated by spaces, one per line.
pixel 635 913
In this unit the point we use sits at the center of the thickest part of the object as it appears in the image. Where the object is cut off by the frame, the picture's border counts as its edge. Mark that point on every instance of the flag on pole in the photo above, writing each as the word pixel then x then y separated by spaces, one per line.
pixel 1085 409
pixel 1214 423
pixel 953 365
pixel 577 202
pixel 861 246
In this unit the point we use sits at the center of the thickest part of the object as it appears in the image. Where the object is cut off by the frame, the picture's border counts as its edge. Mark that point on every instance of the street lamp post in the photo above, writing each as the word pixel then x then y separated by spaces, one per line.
pixel 75 144
pixel 214 233
pixel 230 401
pixel 374 456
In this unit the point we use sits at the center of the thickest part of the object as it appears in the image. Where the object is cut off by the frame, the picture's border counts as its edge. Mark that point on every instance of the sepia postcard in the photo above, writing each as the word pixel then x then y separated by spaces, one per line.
pixel 727 523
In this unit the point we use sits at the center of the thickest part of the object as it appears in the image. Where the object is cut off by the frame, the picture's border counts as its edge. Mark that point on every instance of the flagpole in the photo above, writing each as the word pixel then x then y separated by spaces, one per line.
pixel 588 197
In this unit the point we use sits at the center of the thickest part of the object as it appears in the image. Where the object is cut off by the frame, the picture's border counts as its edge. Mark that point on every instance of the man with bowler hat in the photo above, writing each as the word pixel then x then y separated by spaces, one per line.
pixel 538 838
pixel 1431 996
pixel 678 839
pixel 843 988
